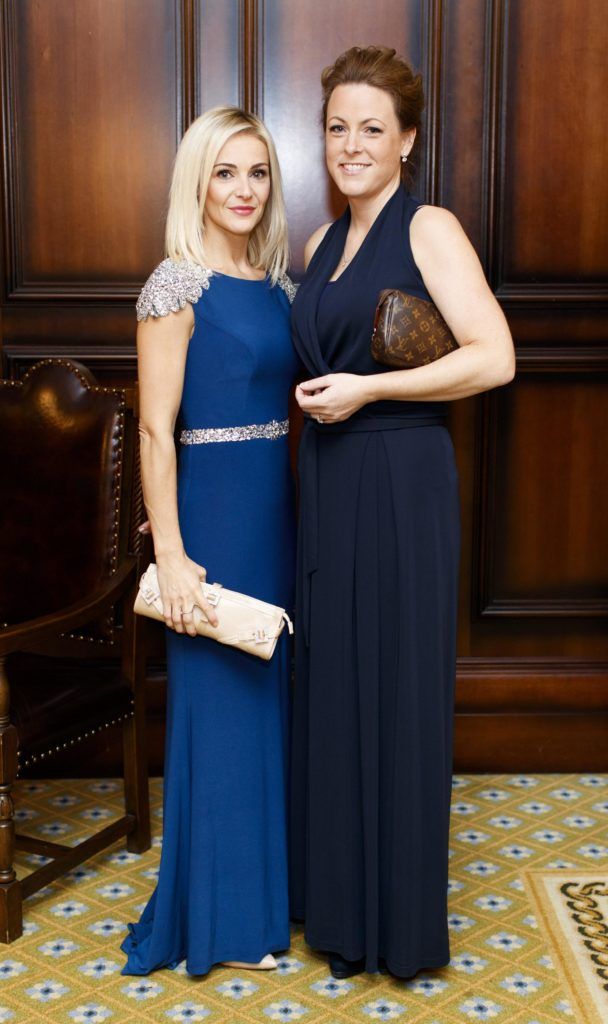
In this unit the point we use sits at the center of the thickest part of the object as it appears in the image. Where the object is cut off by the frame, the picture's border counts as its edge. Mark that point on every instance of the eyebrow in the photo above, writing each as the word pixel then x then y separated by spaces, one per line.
pixel 336 117
pixel 233 167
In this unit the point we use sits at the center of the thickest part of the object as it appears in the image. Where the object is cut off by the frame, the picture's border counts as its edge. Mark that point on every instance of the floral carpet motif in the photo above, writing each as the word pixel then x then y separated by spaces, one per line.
pixel 528 899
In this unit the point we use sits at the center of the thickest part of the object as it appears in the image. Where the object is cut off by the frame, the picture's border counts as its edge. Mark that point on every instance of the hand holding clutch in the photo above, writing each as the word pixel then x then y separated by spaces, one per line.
pixel 244 622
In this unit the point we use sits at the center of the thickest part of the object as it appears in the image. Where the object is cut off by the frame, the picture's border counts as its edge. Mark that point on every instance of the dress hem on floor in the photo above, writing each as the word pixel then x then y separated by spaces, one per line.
pixel 130 944
pixel 396 968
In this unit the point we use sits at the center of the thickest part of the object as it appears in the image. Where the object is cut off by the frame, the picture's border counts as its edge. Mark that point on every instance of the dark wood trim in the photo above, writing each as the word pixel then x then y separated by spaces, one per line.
pixel 251 69
pixel 490 152
pixel 532 666
pixel 545 608
pixel 538 742
pixel 501 711
pixel 433 34
pixel 496 685
pixel 85 292
pixel 108 362
pixel 503 723
pixel 188 63
pixel 10 207
pixel 557 293
pixel 500 23
pixel 534 359
pixel 29 844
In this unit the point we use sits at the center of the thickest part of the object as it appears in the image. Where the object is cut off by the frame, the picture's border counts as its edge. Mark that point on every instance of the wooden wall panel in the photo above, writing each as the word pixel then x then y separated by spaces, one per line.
pixel 95 96
pixel 92 144
pixel 534 477
pixel 95 99
pixel 462 186
pixel 552 99
pixel 544 545
pixel 299 40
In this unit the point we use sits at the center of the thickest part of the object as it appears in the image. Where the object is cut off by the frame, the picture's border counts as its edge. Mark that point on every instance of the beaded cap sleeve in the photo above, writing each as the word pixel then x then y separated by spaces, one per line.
pixel 288 286
pixel 170 287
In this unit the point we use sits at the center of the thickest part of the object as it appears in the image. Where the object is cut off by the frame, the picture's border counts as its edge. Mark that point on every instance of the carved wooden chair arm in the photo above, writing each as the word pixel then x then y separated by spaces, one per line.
pixel 90 607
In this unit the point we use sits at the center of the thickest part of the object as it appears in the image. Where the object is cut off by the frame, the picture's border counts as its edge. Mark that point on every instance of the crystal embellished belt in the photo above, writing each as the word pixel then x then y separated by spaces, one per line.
pixel 212 435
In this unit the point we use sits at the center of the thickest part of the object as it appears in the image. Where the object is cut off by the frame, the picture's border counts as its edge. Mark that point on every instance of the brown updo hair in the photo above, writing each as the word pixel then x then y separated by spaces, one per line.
pixel 381 67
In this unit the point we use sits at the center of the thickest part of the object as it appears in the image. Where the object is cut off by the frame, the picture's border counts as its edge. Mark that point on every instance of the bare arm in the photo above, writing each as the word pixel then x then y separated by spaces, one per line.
pixel 162 346
pixel 454 278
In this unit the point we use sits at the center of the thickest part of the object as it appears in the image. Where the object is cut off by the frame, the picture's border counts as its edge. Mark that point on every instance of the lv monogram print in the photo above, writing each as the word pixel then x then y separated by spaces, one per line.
pixel 409 331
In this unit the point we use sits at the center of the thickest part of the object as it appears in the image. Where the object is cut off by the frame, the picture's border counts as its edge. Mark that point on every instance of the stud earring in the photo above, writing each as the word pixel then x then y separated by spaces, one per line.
pixel 403 158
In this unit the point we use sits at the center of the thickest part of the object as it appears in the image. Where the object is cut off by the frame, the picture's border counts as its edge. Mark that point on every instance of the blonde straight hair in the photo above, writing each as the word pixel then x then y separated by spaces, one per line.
pixel 196 156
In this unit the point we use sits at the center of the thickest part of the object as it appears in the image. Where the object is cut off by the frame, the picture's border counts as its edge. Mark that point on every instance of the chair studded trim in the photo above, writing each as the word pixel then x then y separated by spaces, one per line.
pixel 73 383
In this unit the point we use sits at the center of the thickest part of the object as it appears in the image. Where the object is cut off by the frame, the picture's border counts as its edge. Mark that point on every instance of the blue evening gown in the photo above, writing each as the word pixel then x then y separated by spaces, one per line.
pixel 222 887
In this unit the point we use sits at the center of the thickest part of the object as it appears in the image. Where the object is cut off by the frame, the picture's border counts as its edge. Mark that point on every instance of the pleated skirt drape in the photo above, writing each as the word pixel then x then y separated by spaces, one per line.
pixel 373 705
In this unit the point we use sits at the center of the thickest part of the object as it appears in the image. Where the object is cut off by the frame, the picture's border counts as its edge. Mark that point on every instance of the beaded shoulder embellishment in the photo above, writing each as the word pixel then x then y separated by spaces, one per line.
pixel 288 286
pixel 170 287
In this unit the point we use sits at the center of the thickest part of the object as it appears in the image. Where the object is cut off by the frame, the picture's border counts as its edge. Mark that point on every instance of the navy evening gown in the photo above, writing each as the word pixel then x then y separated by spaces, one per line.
pixel 375 631
pixel 222 887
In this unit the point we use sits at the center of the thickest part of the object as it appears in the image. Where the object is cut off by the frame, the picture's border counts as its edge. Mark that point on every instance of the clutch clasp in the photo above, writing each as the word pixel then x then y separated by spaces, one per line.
pixel 261 636
pixel 148 593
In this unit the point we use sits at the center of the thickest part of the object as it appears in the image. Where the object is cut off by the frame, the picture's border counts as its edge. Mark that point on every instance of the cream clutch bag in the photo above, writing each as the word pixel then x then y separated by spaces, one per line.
pixel 244 622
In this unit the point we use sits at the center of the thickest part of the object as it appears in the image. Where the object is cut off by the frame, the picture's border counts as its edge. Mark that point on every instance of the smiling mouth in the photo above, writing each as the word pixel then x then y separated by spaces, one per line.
pixel 242 209
pixel 353 168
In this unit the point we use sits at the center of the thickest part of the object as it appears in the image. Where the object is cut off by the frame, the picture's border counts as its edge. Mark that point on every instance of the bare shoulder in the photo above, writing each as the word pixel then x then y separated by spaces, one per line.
pixel 314 242
pixel 432 225
pixel 438 240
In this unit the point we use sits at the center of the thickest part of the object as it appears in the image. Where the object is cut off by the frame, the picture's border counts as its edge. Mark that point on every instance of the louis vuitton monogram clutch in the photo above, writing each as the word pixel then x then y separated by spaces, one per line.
pixel 409 331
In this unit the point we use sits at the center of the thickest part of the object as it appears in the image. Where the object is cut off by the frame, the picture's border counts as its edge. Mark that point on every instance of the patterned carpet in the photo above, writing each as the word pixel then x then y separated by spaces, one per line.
pixel 528 919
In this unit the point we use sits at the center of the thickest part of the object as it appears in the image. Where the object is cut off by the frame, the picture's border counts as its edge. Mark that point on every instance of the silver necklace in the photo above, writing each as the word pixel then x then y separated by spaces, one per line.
pixel 346 259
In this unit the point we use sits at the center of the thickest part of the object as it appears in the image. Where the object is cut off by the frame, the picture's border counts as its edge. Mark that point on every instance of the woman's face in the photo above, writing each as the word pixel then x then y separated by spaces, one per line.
pixel 364 142
pixel 239 186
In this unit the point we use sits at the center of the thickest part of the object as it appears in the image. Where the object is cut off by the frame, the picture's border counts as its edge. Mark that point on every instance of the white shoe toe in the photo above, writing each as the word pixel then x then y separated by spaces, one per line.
pixel 267 963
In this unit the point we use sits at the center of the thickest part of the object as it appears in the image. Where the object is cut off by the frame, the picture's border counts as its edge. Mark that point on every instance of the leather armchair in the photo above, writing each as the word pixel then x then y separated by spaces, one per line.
pixel 69 565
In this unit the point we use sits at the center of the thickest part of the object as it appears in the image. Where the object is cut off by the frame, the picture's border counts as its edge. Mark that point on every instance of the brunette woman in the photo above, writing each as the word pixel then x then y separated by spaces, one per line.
pixel 379 540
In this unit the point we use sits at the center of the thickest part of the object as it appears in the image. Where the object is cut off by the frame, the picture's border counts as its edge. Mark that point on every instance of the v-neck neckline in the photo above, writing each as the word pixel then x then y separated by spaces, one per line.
pixel 373 225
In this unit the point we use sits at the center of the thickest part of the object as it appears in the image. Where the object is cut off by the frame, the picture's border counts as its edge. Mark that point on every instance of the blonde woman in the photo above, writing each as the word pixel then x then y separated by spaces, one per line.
pixel 214 349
